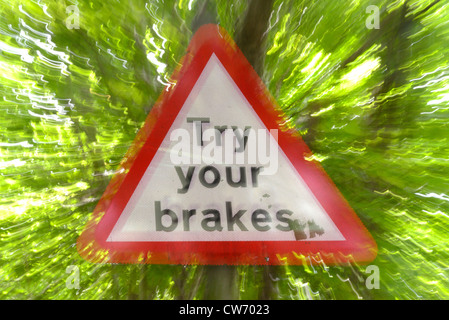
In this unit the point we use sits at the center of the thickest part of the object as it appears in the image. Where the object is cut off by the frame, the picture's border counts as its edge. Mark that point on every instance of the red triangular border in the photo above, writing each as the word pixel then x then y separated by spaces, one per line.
pixel 359 246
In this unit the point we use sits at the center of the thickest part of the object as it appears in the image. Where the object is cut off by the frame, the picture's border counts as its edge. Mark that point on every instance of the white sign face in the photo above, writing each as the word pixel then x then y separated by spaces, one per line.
pixel 220 175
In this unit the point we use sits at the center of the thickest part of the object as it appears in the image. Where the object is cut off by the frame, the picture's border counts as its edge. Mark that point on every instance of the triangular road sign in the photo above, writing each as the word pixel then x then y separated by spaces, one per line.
pixel 214 177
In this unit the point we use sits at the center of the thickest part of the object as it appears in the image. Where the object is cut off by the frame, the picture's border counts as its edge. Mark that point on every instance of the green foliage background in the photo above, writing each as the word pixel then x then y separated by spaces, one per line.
pixel 371 103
